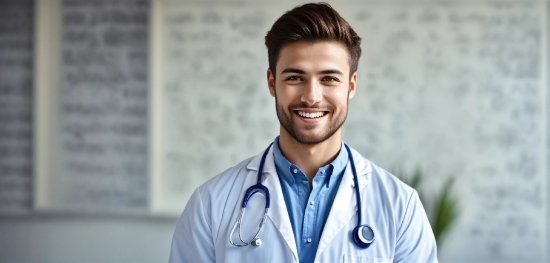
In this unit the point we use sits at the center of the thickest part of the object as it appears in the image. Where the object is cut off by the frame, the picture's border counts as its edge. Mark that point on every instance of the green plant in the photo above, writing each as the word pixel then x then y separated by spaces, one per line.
pixel 444 210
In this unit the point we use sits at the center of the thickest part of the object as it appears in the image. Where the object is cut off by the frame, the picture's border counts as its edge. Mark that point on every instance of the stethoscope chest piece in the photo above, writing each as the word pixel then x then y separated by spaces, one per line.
pixel 363 236
pixel 256 242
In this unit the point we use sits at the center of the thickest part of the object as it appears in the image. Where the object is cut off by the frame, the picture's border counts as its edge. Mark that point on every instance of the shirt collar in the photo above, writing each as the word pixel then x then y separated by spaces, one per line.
pixel 337 166
pixel 282 165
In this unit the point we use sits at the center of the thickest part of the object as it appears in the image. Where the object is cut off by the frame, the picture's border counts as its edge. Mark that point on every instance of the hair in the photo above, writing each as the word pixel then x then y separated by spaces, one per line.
pixel 312 22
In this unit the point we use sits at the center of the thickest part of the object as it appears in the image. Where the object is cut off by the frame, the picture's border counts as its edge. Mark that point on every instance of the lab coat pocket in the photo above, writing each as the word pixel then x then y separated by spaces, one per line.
pixel 363 259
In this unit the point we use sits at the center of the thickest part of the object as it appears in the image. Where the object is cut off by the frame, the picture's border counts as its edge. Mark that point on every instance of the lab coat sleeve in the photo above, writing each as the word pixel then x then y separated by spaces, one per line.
pixel 415 238
pixel 193 240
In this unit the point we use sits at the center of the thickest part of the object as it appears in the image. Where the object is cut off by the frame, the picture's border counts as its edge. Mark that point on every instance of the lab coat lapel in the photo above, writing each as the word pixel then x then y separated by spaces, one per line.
pixel 345 204
pixel 278 214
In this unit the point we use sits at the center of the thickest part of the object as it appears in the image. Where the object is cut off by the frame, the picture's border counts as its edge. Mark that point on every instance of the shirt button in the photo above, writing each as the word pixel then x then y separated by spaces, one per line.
pixel 312 203
pixel 295 170
pixel 323 171
pixel 308 240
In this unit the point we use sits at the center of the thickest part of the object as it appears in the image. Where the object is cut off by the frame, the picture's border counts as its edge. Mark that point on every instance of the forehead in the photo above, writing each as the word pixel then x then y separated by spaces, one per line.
pixel 314 56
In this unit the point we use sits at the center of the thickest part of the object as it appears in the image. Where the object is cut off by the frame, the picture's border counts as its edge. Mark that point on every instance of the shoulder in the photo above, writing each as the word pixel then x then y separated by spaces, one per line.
pixel 214 197
pixel 199 224
pixel 379 177
pixel 385 187
pixel 382 178
pixel 398 203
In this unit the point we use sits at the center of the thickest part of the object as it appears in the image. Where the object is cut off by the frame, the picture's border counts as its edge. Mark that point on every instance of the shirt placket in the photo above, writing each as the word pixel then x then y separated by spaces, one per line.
pixel 302 189
pixel 310 231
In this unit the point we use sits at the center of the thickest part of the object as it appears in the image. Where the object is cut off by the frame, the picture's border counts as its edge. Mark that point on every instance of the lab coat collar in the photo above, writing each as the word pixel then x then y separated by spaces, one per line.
pixel 269 166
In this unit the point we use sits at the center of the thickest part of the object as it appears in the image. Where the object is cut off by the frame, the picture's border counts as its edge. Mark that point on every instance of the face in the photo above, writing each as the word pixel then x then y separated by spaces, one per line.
pixel 312 87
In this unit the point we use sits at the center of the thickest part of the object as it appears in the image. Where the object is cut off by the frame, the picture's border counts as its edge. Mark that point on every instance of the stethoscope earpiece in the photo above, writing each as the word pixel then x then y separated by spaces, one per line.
pixel 362 239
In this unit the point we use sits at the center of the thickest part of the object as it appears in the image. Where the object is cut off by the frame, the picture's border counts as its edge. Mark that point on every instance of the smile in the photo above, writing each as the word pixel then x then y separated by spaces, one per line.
pixel 311 115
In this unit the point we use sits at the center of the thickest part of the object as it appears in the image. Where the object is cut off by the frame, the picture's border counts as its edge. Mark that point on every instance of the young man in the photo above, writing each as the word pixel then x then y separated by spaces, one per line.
pixel 327 202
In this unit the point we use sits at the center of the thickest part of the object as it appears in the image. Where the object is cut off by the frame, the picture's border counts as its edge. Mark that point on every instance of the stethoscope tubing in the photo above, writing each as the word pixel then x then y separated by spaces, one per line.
pixel 257 188
pixel 357 235
pixel 356 183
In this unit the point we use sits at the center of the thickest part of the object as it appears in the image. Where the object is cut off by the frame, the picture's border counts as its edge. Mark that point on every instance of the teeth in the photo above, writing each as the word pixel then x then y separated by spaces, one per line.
pixel 311 115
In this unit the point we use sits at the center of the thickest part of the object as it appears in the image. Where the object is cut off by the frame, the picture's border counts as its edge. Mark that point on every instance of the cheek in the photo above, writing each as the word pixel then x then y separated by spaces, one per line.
pixel 286 94
pixel 338 96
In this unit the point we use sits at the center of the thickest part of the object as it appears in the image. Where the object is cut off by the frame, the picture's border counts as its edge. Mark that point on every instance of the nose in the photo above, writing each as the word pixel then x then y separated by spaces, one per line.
pixel 313 93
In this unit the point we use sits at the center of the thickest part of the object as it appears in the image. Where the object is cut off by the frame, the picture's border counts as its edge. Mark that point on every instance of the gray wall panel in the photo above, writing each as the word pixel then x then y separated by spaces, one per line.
pixel 16 97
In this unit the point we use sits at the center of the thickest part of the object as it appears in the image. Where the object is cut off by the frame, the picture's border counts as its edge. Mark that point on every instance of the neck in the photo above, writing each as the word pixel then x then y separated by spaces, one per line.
pixel 309 157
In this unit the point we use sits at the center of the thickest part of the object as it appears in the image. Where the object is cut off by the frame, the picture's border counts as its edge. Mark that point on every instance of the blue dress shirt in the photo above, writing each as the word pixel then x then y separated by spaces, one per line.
pixel 308 208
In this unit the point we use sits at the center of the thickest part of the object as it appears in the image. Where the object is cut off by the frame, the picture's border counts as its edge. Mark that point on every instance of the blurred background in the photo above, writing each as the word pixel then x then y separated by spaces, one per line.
pixel 113 112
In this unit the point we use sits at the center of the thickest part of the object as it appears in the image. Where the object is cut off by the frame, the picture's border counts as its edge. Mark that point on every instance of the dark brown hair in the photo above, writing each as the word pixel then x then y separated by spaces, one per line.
pixel 312 22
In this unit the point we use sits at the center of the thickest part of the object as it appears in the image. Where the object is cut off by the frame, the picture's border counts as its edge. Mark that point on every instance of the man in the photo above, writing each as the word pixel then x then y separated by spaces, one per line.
pixel 315 214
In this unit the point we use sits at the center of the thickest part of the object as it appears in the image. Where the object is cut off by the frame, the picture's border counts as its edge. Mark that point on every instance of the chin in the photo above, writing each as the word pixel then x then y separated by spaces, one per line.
pixel 310 138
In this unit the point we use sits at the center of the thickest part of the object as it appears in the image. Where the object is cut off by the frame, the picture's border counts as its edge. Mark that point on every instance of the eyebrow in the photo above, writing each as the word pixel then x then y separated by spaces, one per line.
pixel 293 70
pixel 299 71
pixel 331 71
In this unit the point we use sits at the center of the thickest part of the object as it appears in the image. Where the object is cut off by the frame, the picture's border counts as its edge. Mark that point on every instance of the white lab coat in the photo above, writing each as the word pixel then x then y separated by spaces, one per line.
pixel 391 208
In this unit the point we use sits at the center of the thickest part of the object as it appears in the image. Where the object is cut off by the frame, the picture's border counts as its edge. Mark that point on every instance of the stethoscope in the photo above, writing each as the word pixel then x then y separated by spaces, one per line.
pixel 358 235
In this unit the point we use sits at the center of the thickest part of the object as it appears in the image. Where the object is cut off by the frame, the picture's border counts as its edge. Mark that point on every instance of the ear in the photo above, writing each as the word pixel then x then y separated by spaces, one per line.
pixel 352 86
pixel 271 82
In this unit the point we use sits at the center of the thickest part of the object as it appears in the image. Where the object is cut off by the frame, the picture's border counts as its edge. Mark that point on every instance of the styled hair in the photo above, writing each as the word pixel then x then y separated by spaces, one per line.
pixel 312 22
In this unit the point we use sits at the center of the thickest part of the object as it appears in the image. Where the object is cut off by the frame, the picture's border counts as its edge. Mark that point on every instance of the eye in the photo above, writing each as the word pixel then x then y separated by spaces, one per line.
pixel 329 79
pixel 294 78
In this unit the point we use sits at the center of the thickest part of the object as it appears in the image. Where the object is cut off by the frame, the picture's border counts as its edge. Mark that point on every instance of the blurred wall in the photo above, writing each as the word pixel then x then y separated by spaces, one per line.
pixel 458 89
pixel 26 236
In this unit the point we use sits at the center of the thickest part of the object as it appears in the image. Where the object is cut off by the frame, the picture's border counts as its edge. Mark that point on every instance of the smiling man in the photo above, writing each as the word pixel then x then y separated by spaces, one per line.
pixel 308 196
